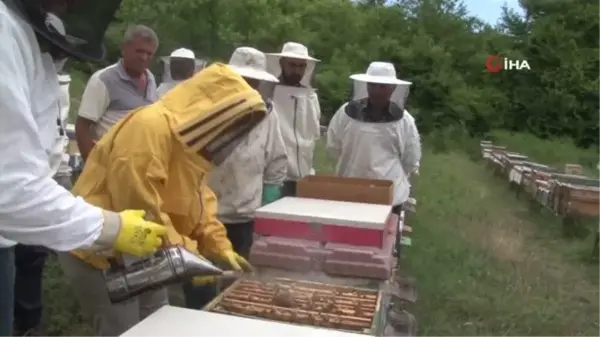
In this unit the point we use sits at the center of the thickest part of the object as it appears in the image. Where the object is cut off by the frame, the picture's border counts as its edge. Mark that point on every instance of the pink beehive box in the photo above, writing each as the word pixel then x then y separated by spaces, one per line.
pixel 325 221
pixel 330 258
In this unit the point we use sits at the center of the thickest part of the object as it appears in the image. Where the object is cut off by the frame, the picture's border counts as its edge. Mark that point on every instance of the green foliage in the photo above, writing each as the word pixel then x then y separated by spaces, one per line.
pixel 433 43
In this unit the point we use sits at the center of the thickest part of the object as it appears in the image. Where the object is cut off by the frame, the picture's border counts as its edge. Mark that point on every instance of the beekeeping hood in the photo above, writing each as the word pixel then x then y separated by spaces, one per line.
pixel 183 53
pixel 85 21
pixel 212 112
pixel 383 73
pixel 296 51
pixel 251 63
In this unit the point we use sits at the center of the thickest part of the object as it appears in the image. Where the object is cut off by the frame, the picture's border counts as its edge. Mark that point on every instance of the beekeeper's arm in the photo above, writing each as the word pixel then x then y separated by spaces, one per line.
pixel 276 161
pixel 334 133
pixel 139 174
pixel 411 139
pixel 212 235
pixel 34 209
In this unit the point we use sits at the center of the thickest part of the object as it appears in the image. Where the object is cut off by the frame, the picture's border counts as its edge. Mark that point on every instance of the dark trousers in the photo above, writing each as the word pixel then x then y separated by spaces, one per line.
pixel 29 273
pixel 288 189
pixel 7 281
pixel 240 235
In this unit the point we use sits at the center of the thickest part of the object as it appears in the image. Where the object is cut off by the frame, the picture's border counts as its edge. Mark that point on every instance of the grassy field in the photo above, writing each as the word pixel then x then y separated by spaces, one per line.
pixel 485 262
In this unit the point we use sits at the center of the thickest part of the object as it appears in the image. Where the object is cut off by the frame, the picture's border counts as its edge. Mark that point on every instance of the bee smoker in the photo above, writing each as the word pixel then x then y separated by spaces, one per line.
pixel 166 266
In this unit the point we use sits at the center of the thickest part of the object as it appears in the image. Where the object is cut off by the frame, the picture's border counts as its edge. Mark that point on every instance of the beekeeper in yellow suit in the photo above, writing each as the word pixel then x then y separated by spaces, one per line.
pixel 158 159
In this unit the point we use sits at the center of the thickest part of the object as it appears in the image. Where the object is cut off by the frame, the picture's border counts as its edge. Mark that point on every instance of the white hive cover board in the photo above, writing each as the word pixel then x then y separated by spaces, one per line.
pixel 173 321
pixel 328 212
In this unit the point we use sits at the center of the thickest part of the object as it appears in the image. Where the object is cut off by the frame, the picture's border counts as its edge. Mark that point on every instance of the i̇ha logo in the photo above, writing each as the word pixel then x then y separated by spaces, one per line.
pixel 495 63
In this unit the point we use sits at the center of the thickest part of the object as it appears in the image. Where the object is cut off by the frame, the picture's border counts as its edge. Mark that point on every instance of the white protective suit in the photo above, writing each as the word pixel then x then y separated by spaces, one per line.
pixel 34 209
pixel 62 142
pixel 238 186
pixel 59 159
pixel 389 151
pixel 299 115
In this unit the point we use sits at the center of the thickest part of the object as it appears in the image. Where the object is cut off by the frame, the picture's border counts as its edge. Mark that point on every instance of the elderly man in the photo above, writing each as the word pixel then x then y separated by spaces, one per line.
pixel 298 109
pixel 111 93
pixel 159 160
pixel 182 65
pixel 251 176
pixel 34 209
pixel 373 136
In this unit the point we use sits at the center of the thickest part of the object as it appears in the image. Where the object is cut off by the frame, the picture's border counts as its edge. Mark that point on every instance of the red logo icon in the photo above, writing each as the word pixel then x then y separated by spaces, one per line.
pixel 494 63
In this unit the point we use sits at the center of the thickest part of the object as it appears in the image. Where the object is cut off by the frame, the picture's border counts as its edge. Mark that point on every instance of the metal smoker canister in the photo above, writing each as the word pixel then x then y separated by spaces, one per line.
pixel 167 266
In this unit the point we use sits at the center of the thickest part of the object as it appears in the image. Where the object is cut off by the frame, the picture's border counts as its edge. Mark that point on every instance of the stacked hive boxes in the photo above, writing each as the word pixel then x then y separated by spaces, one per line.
pixel 341 238
pixel 567 194
pixel 337 237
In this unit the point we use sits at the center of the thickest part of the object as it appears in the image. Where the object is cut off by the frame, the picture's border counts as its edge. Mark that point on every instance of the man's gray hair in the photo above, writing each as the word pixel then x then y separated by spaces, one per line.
pixel 140 32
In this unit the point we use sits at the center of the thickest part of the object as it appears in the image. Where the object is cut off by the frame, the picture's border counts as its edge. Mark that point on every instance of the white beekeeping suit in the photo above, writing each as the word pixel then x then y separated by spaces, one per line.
pixel 240 188
pixel 298 110
pixel 59 159
pixel 390 149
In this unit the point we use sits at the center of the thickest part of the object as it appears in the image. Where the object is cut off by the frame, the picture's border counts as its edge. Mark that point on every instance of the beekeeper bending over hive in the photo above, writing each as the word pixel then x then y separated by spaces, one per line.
pixel 182 65
pixel 297 106
pixel 158 158
pixel 34 208
pixel 251 176
pixel 373 136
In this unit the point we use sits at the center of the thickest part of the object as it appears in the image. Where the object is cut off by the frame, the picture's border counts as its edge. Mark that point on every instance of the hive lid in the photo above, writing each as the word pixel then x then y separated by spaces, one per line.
pixel 174 321
pixel 343 213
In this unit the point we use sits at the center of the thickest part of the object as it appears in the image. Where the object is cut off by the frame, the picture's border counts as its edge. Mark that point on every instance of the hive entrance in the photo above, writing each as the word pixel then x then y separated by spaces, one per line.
pixel 301 302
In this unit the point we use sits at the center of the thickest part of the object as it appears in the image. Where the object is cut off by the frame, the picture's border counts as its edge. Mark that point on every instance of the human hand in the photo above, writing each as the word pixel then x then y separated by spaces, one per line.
pixel 137 236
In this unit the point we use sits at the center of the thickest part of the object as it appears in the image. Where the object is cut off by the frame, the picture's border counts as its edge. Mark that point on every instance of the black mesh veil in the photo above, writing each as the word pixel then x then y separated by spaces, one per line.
pixel 85 21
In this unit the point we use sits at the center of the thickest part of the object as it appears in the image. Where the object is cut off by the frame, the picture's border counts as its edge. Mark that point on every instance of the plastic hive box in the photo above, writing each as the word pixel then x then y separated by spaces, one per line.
pixel 331 258
pixel 289 254
pixel 367 262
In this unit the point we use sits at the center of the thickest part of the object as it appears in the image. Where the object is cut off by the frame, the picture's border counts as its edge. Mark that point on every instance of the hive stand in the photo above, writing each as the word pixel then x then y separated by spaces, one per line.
pixel 403 291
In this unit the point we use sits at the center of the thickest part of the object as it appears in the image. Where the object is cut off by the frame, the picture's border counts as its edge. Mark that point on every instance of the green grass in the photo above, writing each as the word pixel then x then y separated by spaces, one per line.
pixel 486 265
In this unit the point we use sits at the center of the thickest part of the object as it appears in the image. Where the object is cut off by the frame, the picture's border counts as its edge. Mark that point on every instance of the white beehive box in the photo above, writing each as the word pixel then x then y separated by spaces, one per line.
pixel 174 321
pixel 324 220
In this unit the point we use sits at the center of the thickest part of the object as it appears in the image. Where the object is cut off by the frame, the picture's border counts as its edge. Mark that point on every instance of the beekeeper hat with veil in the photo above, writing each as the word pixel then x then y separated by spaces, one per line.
pixel 178 67
pixel 381 73
pixel 370 144
pixel 251 64
pixel 181 53
pixel 86 23
pixel 297 105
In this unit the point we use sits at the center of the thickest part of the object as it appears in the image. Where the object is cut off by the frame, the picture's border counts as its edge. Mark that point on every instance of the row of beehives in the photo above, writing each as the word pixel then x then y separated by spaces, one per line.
pixel 567 193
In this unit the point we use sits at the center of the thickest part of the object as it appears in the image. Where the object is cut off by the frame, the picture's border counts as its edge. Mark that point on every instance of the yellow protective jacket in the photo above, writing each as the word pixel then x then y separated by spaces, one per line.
pixel 158 157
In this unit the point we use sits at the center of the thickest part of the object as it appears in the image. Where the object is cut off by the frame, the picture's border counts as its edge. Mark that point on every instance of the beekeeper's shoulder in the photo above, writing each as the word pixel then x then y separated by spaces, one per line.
pixel 18 41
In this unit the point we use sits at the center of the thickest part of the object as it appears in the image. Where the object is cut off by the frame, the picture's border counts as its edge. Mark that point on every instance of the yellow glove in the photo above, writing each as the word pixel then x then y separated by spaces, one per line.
pixel 136 236
pixel 235 261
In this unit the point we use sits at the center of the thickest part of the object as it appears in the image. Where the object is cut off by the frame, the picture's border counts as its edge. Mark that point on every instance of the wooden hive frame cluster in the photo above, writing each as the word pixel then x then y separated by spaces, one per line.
pixel 301 302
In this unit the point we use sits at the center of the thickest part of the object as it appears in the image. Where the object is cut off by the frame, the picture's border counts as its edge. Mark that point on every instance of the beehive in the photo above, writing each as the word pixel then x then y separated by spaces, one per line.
pixel 301 302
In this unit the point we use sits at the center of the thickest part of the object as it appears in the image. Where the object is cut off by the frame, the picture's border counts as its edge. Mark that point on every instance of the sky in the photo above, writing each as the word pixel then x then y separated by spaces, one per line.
pixel 490 10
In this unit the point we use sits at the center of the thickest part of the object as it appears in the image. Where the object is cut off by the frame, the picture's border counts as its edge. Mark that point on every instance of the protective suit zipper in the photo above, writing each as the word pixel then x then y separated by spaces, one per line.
pixel 296 135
